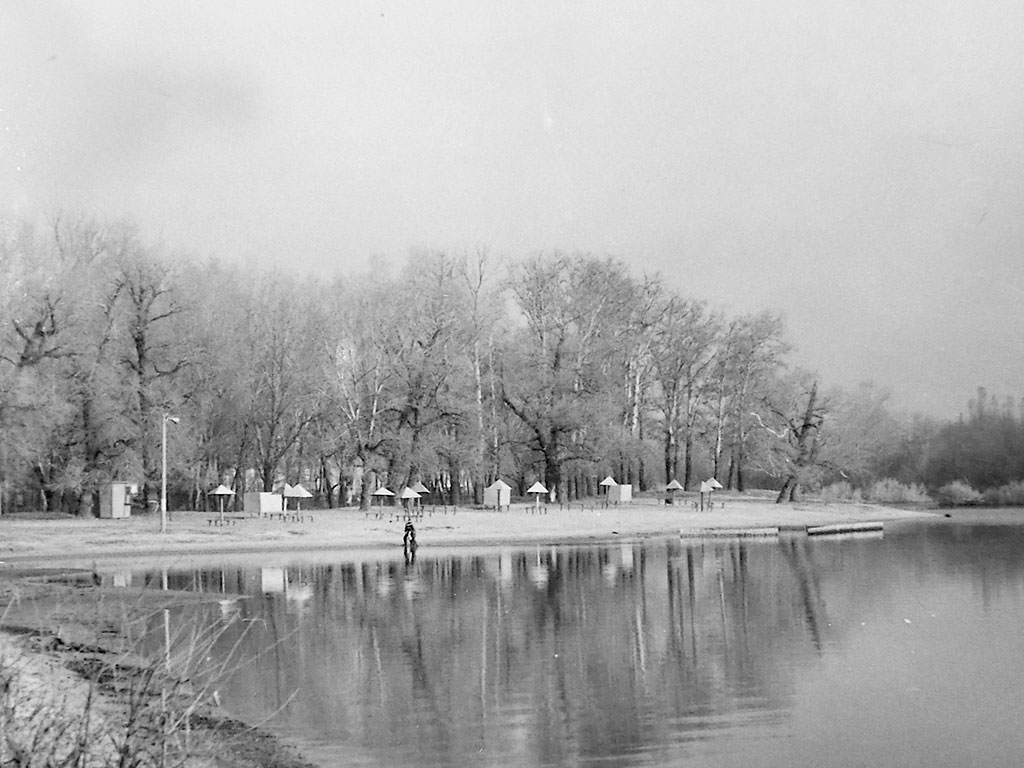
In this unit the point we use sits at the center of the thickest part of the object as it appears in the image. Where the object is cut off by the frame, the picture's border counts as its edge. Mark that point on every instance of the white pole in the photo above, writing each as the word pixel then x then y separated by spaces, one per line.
pixel 163 480
pixel 163 483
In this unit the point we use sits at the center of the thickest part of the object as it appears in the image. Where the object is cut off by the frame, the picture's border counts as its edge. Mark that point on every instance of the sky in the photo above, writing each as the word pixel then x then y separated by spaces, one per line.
pixel 857 166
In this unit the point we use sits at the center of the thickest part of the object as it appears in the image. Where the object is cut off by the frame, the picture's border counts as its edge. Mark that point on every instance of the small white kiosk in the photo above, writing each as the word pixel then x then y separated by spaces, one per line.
pixel 498 494
pixel 620 494
pixel 116 500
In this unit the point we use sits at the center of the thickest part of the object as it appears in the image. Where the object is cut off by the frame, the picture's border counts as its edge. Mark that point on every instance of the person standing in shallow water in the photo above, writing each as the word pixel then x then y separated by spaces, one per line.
pixel 409 539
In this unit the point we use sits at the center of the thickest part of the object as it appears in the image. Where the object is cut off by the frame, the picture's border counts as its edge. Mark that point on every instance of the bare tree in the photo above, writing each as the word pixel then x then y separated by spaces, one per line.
pixel 753 352
pixel 684 350
pixel 552 378
pixel 282 393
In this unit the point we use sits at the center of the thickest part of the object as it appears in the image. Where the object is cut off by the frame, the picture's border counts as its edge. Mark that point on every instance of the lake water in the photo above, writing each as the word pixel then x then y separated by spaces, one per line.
pixel 900 650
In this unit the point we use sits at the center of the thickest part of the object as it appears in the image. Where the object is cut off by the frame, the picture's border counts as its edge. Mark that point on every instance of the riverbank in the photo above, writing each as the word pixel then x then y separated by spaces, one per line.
pixel 29 541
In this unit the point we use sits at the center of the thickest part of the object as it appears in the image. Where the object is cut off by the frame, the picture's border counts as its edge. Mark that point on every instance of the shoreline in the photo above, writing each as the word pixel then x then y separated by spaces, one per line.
pixel 26 541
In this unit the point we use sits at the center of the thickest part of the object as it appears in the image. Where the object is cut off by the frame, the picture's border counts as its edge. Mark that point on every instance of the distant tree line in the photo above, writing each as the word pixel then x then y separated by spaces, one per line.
pixel 454 370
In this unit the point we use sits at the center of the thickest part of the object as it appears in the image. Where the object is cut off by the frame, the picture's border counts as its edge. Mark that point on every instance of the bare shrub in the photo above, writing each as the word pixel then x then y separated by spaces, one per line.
pixel 129 702
pixel 890 491
pixel 1009 495
pixel 841 491
pixel 957 494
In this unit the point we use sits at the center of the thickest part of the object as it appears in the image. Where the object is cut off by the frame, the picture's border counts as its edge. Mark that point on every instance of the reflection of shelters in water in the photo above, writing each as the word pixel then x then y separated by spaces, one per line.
pixel 290 582
pixel 539 572
pixel 296 589
pixel 454 645
pixel 272 580
pixel 230 609
pixel 619 562
pixel 626 555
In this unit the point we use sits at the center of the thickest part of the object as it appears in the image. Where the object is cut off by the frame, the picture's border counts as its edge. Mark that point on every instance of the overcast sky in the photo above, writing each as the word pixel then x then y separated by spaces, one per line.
pixel 856 165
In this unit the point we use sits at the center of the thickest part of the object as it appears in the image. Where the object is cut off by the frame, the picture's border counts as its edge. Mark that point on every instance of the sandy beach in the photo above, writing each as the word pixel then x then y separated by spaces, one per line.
pixel 29 541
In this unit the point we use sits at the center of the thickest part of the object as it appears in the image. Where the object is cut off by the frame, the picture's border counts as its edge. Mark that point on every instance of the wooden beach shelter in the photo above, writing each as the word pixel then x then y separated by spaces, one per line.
pixel 606 486
pixel 708 486
pixel 537 490
pixel 422 490
pixel 382 493
pixel 607 483
pixel 298 493
pixel 220 492
pixel 671 488
pixel 408 497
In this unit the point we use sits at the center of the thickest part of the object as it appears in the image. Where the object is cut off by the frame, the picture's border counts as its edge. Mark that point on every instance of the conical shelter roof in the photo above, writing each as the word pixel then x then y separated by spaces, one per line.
pixel 221 490
pixel 608 482
pixel 382 492
pixel 419 487
pixel 499 485
pixel 408 493
pixel 674 486
pixel 536 488
pixel 297 492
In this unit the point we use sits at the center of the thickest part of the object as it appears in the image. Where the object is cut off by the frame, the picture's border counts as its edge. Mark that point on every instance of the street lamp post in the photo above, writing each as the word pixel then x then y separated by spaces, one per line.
pixel 163 482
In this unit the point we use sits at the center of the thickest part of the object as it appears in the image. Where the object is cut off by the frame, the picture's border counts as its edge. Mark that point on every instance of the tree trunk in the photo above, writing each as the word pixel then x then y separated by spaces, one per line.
pixel 688 459
pixel 671 455
pixel 456 486
pixel 553 475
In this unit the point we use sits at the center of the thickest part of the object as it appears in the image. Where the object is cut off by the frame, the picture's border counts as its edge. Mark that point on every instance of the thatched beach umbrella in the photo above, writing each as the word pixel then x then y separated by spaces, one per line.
pixel 607 484
pixel 421 489
pixel 409 496
pixel 220 492
pixel 707 486
pixel 537 489
pixel 381 493
pixel 672 488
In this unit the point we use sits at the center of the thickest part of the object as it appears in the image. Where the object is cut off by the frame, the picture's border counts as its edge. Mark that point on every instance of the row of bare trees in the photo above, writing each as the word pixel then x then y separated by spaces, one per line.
pixel 455 370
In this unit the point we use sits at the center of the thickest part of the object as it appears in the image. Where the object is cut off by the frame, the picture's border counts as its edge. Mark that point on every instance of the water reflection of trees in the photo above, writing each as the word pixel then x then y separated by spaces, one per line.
pixel 550 655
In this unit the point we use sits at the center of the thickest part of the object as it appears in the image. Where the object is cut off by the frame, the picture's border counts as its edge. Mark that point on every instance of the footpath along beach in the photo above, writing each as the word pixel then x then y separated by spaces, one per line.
pixel 25 541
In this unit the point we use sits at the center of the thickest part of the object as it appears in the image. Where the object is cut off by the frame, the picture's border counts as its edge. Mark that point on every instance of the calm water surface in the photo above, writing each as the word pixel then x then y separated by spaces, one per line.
pixel 902 650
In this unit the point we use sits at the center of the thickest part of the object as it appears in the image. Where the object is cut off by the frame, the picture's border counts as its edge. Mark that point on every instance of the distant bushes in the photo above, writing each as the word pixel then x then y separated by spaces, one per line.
pixel 841 491
pixel 957 494
pixel 887 491
pixel 1009 495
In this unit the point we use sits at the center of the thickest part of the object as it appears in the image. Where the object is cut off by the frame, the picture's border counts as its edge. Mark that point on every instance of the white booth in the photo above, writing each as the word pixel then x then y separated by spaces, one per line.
pixel 620 494
pixel 116 499
pixel 498 495
pixel 259 503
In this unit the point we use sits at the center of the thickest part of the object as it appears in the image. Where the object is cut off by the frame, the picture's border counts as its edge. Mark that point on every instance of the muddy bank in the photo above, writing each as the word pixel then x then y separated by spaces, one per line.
pixel 75 685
